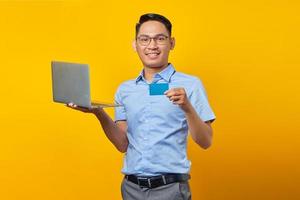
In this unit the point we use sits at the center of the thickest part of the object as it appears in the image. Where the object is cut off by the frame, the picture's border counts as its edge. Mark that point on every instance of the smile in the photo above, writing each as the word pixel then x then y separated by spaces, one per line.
pixel 153 53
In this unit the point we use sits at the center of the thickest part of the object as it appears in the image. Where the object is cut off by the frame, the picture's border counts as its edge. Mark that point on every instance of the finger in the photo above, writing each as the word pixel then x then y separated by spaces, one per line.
pixel 170 91
pixel 178 102
pixel 179 91
pixel 175 89
pixel 76 107
pixel 82 108
pixel 175 98
pixel 68 105
pixel 173 93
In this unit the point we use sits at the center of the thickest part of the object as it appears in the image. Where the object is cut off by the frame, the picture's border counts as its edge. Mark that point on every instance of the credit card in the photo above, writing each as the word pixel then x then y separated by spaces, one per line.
pixel 158 88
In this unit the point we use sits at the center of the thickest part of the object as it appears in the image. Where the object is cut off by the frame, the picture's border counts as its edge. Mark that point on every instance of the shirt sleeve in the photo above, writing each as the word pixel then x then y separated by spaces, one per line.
pixel 198 99
pixel 120 113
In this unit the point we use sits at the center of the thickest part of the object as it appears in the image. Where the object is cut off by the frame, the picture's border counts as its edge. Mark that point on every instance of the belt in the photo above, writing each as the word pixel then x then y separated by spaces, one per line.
pixel 156 181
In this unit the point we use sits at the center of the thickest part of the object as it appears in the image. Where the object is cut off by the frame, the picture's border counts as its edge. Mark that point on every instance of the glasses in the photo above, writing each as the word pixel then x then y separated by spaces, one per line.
pixel 146 40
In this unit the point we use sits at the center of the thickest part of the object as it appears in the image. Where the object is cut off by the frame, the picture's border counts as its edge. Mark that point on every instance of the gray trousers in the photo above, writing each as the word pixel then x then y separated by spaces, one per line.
pixel 173 191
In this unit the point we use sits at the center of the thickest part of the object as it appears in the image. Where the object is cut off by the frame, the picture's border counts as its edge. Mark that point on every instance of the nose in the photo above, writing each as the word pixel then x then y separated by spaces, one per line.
pixel 152 44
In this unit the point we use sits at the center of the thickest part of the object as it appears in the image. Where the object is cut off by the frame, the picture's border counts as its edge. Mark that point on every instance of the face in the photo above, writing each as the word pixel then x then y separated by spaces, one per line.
pixel 156 53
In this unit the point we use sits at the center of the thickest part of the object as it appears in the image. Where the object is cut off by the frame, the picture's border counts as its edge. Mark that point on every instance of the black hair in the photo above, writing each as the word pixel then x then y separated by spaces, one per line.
pixel 153 17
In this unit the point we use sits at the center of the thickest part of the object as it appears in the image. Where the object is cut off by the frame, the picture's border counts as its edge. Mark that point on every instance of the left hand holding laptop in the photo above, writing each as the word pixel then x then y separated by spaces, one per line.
pixel 93 110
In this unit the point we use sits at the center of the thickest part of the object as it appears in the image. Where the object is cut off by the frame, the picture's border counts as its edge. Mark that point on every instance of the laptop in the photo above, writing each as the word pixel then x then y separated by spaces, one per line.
pixel 71 83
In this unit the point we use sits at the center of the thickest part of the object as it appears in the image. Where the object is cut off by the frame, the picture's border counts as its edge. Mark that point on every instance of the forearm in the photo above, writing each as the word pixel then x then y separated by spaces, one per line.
pixel 114 133
pixel 199 130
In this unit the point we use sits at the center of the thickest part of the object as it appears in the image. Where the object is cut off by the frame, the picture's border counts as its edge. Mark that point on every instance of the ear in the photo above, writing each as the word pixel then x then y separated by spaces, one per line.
pixel 134 45
pixel 172 41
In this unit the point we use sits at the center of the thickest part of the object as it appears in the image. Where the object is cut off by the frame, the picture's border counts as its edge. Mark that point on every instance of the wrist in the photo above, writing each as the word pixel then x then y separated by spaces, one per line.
pixel 188 108
pixel 98 111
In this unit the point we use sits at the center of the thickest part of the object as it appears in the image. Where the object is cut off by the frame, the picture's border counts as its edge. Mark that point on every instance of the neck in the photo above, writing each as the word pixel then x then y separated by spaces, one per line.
pixel 150 71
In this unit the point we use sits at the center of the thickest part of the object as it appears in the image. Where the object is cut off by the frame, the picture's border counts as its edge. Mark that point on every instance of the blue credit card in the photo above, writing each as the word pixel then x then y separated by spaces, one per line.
pixel 158 88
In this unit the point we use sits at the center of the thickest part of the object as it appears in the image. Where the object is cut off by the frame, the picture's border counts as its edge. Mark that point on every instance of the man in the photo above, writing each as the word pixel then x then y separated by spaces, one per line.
pixel 151 126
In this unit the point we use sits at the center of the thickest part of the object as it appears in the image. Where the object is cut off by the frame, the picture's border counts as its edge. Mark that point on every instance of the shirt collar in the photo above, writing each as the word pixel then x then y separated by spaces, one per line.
pixel 166 74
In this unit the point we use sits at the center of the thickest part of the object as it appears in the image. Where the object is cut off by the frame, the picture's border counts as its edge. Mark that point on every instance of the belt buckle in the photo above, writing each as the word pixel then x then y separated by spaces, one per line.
pixel 149 181
pixel 164 179
pixel 143 178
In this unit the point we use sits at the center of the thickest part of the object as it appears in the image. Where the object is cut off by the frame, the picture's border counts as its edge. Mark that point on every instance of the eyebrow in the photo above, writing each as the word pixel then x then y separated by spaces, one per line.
pixel 160 34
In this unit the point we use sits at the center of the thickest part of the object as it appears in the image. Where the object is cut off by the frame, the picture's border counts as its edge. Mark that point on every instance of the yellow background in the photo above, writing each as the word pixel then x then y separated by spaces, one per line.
pixel 245 52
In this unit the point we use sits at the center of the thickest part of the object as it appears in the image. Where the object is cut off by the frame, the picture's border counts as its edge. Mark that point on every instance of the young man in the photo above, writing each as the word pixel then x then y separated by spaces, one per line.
pixel 153 124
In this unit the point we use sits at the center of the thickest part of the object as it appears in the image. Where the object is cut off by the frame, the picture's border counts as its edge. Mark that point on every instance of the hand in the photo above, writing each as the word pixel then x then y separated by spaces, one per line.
pixel 178 97
pixel 83 109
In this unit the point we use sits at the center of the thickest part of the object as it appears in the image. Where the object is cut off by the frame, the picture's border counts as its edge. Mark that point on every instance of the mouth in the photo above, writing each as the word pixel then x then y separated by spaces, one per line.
pixel 152 55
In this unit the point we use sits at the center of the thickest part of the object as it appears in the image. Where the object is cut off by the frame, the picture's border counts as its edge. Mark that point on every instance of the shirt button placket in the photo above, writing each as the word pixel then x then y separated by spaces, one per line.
pixel 146 122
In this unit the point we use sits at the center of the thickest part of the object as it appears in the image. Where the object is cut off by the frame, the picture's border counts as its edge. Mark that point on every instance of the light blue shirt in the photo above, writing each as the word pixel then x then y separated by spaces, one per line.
pixel 157 129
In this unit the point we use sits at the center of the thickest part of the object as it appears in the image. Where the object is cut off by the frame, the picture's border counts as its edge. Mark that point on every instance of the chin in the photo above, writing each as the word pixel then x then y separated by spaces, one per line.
pixel 154 64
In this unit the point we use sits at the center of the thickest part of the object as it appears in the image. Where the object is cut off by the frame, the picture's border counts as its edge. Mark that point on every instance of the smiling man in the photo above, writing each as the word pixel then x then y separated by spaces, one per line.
pixel 160 107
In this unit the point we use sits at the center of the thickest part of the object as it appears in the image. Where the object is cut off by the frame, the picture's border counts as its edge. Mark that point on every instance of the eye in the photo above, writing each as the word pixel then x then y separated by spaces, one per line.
pixel 144 39
pixel 161 38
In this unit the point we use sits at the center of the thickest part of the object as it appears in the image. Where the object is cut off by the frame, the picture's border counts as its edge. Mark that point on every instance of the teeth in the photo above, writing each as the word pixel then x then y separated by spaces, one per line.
pixel 152 55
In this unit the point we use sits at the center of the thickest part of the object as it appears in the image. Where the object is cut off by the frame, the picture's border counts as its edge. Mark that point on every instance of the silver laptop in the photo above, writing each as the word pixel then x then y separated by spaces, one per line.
pixel 71 83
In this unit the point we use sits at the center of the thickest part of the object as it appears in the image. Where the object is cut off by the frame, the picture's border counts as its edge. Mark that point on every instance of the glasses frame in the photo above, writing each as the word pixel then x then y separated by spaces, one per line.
pixel 151 38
